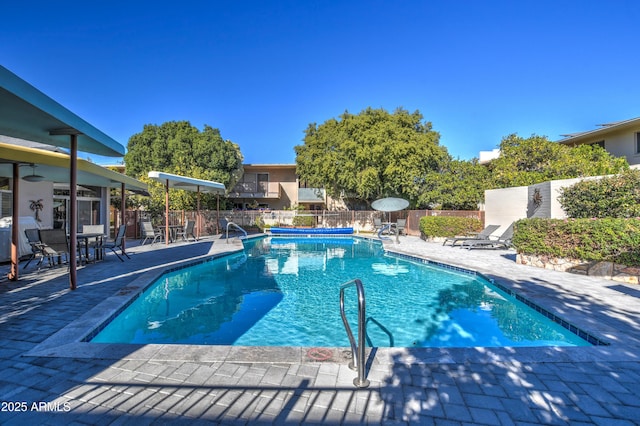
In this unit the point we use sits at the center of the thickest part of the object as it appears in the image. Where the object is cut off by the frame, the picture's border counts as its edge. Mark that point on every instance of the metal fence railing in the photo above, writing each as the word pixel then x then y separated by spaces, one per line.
pixel 359 220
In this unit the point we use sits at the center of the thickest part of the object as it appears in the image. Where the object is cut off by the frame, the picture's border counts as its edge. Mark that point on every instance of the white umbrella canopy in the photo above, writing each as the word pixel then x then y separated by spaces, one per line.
pixel 390 204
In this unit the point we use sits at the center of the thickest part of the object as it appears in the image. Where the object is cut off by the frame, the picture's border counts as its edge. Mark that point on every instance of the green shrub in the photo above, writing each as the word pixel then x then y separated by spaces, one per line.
pixel 612 240
pixel 304 220
pixel 611 196
pixel 448 226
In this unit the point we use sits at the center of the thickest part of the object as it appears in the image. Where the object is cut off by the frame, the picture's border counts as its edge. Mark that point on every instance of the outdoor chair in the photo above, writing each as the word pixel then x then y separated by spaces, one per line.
pixel 37 248
pixel 482 235
pixel 503 241
pixel 148 232
pixel 94 243
pixel 118 243
pixel 55 245
pixel 223 226
pixel 399 226
pixel 377 224
pixel 186 231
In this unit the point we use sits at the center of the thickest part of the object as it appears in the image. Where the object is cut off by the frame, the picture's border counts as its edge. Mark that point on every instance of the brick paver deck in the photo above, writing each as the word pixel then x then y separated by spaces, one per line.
pixel 47 377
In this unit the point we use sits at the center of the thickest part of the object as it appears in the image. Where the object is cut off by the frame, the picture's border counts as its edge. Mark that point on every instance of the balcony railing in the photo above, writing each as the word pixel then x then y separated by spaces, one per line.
pixel 311 195
pixel 253 190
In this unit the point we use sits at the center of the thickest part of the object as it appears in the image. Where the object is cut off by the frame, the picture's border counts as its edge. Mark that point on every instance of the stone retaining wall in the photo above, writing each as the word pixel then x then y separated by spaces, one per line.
pixel 607 270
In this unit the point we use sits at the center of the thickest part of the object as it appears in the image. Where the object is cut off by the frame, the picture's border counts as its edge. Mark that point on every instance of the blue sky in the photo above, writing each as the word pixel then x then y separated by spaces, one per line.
pixel 261 71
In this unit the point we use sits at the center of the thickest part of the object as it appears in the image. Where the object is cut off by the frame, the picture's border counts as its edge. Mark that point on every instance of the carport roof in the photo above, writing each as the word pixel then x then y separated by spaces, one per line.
pixel 54 166
pixel 27 113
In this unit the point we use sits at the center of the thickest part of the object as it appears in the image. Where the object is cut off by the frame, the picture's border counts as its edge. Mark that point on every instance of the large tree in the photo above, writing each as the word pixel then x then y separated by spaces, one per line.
pixel 370 155
pixel 536 159
pixel 180 148
pixel 459 185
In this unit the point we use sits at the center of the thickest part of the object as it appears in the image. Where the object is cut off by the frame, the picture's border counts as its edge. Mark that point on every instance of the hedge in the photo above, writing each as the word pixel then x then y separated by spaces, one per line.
pixel 611 240
pixel 448 226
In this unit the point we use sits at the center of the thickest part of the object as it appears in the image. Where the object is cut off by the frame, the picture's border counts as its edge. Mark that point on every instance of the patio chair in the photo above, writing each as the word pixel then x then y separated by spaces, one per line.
pixel 377 224
pixel 148 232
pixel 482 235
pixel 118 243
pixel 186 231
pixel 503 241
pixel 37 248
pixel 55 245
pixel 94 243
pixel 224 222
pixel 399 226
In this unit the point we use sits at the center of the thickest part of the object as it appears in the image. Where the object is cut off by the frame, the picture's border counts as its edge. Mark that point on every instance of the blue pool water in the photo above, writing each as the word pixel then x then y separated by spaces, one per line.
pixel 285 292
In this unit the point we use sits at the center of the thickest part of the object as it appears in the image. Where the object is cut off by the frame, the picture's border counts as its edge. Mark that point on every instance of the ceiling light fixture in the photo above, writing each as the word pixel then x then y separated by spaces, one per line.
pixel 33 177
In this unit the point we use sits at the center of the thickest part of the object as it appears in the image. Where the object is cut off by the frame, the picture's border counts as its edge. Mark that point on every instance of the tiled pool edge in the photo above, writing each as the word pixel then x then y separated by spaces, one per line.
pixel 585 335
pixel 67 343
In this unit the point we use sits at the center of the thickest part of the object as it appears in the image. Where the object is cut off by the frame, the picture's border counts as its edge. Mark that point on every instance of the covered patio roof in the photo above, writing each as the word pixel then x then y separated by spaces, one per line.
pixel 27 113
pixel 54 166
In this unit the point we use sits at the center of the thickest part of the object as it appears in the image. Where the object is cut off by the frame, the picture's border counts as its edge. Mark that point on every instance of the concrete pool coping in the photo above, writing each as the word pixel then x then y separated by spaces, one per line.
pixel 68 342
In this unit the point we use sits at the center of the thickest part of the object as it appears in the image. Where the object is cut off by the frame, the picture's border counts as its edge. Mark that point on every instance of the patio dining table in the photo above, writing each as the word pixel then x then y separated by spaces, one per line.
pixel 173 229
pixel 84 237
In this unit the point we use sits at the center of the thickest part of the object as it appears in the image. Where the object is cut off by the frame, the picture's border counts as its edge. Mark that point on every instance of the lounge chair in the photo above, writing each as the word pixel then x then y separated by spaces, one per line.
pixel 503 241
pixel 118 243
pixel 482 235
pixel 186 231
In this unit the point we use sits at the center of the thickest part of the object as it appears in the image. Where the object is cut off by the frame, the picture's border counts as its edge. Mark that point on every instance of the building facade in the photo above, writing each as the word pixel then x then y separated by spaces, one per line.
pixel 620 139
pixel 277 187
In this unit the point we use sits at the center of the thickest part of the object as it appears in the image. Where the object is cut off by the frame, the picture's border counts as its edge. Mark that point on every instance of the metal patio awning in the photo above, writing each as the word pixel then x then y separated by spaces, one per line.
pixel 187 183
pixel 170 180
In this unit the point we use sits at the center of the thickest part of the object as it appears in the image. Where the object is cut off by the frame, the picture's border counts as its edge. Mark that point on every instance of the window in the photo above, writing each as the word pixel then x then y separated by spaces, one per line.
pixel 263 183
pixel 599 143
pixel 637 142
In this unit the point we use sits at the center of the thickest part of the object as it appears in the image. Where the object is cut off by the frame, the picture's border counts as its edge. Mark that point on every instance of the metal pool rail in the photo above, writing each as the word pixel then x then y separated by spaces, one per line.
pixel 357 353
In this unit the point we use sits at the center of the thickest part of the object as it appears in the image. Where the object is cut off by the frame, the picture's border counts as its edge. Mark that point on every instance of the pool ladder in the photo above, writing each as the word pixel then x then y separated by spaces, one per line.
pixel 237 227
pixel 357 353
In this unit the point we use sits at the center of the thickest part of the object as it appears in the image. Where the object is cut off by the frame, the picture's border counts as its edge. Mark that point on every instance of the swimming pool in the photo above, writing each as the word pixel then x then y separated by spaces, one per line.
pixel 285 292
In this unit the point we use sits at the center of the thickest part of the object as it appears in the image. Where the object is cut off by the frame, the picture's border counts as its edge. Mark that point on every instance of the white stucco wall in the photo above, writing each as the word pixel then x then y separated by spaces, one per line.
pixel 505 206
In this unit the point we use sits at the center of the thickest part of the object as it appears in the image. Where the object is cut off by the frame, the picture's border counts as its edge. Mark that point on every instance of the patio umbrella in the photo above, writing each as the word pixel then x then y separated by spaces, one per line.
pixel 390 204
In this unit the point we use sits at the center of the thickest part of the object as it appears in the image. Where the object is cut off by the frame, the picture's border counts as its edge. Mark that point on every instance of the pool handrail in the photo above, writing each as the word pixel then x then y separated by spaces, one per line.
pixel 357 353
pixel 238 227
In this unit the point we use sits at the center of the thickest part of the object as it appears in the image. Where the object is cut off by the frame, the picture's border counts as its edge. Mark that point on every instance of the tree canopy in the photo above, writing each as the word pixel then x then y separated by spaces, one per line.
pixel 370 155
pixel 459 185
pixel 180 148
pixel 536 159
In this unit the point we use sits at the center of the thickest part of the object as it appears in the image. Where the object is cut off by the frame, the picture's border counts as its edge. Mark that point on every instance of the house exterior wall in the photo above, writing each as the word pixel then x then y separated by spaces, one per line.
pixel 284 178
pixel 620 139
pixel 37 191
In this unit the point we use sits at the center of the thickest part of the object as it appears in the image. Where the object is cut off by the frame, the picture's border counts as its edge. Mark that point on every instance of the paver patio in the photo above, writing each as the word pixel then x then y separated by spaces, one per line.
pixel 47 380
